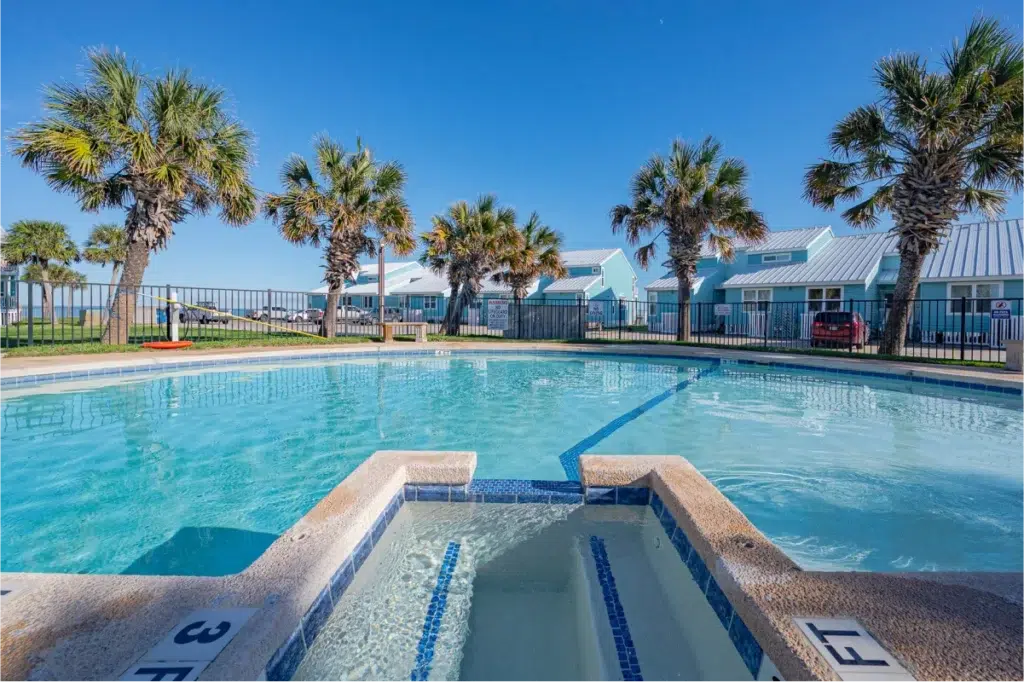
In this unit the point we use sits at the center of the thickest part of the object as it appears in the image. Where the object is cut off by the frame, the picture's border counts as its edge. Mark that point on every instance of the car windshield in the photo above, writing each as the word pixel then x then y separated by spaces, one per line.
pixel 833 317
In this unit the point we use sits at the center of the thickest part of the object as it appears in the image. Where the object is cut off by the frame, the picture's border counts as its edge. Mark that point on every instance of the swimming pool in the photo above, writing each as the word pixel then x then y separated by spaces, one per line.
pixel 199 471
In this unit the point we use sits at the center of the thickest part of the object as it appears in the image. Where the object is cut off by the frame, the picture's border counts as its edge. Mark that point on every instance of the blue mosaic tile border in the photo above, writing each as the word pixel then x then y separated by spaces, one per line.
pixel 570 458
pixel 435 612
pixel 35 379
pixel 746 645
pixel 286 659
pixel 629 665
pixel 499 490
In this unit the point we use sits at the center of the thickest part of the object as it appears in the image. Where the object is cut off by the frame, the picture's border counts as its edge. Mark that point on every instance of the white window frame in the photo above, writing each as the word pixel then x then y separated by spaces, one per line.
pixel 826 304
pixel 430 302
pixel 777 257
pixel 596 270
pixel 974 306
pixel 756 303
pixel 367 301
pixel 652 302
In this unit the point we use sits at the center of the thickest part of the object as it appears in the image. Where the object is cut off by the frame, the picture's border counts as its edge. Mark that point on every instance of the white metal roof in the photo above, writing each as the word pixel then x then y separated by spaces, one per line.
pixel 371 269
pixel 670 283
pixel 572 285
pixel 844 260
pixel 430 284
pixel 978 250
pixel 783 240
pixel 591 257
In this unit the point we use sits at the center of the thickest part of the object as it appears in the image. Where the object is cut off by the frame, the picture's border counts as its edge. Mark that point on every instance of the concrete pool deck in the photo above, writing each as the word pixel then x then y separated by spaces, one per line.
pixel 938 626
pixel 13 369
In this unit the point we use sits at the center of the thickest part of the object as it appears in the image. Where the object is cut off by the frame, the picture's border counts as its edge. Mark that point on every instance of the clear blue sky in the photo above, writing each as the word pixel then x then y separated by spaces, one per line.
pixel 551 105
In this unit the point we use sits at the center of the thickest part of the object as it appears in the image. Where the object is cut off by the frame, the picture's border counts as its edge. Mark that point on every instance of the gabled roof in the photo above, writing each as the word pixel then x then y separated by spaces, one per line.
pixel 587 257
pixel 371 269
pixel 844 260
pixel 671 283
pixel 572 285
pixel 433 284
pixel 782 240
pixel 976 250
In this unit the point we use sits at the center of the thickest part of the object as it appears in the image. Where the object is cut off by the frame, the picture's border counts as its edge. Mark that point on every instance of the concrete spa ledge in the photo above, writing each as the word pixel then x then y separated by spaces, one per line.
pixel 937 626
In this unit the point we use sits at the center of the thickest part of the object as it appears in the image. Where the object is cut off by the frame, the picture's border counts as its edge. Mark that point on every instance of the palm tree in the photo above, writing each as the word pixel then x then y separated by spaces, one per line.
pixel 162 149
pixel 45 247
pixel 934 146
pixel 537 253
pixel 692 197
pixel 468 242
pixel 355 194
pixel 107 244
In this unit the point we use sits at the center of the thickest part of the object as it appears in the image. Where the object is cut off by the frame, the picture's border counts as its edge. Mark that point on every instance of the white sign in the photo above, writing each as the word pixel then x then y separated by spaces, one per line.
pixel 723 309
pixel 1000 309
pixel 595 309
pixel 201 635
pixel 850 651
pixel 497 314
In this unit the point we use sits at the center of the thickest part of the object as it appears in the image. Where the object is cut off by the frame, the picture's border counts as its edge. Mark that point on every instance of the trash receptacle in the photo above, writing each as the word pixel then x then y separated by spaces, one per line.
pixel 1015 355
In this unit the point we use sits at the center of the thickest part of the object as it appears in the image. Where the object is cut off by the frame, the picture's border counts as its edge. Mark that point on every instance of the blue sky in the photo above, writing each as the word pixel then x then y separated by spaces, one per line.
pixel 550 105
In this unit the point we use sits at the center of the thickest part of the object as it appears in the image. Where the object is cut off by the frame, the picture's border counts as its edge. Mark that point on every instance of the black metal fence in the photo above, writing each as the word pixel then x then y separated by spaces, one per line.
pixel 954 329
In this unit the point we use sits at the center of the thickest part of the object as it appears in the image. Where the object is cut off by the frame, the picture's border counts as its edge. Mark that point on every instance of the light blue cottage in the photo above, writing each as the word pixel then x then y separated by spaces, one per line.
pixel 796 273
pixel 605 276
pixel 363 292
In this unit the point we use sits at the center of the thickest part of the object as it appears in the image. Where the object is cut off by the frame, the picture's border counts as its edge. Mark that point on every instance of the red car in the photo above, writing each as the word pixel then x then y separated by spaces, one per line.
pixel 836 328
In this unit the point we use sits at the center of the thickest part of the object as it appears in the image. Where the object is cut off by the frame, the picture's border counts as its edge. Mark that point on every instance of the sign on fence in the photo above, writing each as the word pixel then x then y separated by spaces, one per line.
pixel 1000 309
pixel 723 309
pixel 497 314
pixel 595 309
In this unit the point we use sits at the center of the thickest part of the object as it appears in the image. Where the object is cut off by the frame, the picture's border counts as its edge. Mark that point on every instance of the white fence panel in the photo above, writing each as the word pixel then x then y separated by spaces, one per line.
pixel 1006 330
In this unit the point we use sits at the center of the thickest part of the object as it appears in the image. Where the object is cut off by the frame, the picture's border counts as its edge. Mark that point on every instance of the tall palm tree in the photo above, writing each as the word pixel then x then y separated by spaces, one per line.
pixel 536 253
pixel 45 247
pixel 107 244
pixel 356 207
pixel 468 243
pixel 691 197
pixel 162 149
pixel 935 145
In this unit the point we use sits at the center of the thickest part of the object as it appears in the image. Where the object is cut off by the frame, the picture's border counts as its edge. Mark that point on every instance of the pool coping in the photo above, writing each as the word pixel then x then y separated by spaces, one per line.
pixel 55 370
pixel 939 626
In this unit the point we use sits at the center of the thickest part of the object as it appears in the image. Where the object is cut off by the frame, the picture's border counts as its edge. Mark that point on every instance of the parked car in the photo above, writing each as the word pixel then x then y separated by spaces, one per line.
pixel 265 314
pixel 353 315
pixel 205 312
pixel 307 315
pixel 393 315
pixel 837 328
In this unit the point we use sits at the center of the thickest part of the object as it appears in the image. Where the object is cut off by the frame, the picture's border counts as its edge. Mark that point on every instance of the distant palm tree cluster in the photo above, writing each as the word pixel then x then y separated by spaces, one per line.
pixel 936 144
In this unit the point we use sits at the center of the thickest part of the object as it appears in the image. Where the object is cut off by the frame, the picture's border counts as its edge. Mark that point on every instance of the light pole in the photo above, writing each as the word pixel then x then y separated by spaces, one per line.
pixel 380 288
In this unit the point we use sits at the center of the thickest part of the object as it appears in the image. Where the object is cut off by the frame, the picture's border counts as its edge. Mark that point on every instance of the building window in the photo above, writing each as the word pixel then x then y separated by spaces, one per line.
pixel 368 301
pixel 430 302
pixel 979 297
pixel 757 299
pixel 348 300
pixel 824 298
pixel 776 258
pixel 652 305
pixel 596 271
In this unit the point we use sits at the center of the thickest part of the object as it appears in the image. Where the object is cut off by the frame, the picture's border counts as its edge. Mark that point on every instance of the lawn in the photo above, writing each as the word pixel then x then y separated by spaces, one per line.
pixel 253 341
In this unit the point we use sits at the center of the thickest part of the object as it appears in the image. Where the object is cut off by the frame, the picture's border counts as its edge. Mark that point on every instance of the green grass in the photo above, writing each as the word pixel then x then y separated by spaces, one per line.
pixel 254 342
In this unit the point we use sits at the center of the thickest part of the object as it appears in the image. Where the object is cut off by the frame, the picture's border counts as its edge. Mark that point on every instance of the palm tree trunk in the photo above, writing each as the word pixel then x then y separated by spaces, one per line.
pixel 121 311
pixel 453 313
pixel 47 300
pixel 329 328
pixel 683 302
pixel 895 334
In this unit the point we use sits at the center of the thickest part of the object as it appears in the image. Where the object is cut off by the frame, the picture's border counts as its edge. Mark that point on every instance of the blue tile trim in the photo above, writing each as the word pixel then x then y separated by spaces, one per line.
pixel 435 612
pixel 570 458
pixel 286 659
pixel 317 615
pixel 627 495
pixel 629 665
pixel 510 491
pixel 742 639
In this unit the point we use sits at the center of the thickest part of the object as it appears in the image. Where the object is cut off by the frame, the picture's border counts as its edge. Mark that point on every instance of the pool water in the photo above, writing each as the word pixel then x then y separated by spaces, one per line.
pixel 198 472
pixel 520 598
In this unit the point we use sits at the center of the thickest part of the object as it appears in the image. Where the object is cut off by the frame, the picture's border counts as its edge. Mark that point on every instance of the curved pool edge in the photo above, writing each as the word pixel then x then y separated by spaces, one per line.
pixel 60 626
pixel 59 369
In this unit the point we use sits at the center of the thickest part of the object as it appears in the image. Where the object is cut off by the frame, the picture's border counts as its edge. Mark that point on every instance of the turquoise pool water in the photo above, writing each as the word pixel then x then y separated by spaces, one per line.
pixel 198 472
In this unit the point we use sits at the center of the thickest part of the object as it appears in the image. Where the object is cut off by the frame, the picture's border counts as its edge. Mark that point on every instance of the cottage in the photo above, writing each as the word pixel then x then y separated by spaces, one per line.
pixel 364 290
pixel 794 274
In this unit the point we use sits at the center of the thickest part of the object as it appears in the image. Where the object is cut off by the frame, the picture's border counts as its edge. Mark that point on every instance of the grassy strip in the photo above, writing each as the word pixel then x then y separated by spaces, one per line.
pixel 261 342
pixel 273 341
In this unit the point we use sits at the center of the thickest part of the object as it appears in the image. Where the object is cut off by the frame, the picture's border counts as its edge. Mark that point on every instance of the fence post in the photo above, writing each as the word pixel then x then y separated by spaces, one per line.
pixel 621 304
pixel 270 309
pixel 767 316
pixel 963 327
pixel 853 326
pixel 30 326
pixel 699 321
pixel 167 296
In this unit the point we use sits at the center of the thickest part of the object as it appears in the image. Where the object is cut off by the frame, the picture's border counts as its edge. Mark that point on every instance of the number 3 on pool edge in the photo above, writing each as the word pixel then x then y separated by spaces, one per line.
pixel 204 636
